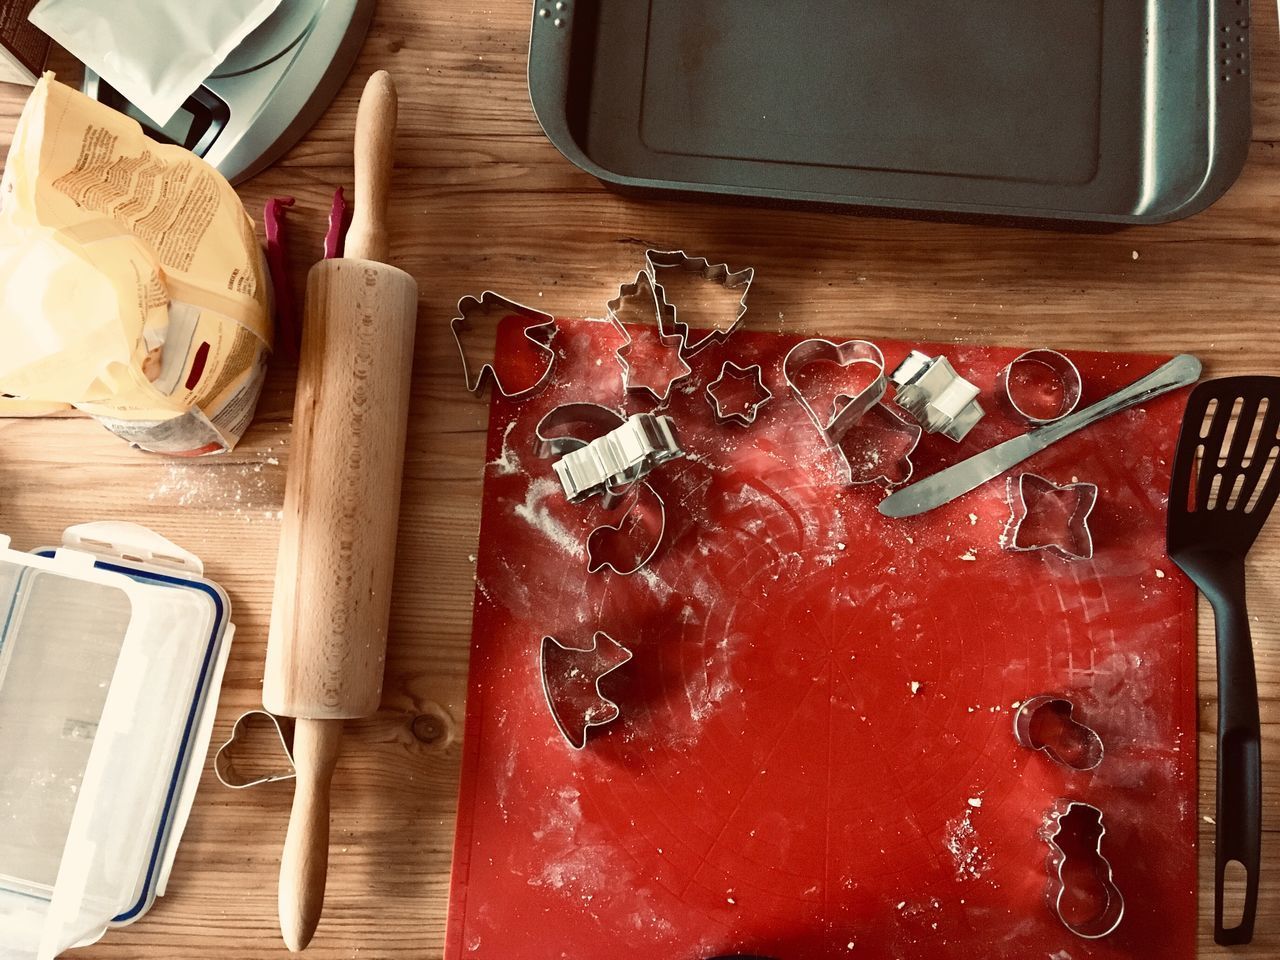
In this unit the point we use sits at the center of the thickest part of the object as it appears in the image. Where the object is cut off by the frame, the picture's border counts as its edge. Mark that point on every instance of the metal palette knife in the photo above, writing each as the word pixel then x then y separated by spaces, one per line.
pixel 1225 481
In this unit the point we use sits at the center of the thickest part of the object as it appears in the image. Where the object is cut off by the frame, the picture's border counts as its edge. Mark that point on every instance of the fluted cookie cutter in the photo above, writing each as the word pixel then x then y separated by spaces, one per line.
pixel 1045 723
pixel 1081 823
pixel 224 761
pixel 1061 369
pixel 539 329
pixel 644 302
pixel 741 409
pixel 1067 534
pixel 626 453
pixel 571 684
pixel 936 397
pixel 735 281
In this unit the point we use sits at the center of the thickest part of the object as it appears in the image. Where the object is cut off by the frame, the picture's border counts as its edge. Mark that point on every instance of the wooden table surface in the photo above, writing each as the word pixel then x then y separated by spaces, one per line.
pixel 483 200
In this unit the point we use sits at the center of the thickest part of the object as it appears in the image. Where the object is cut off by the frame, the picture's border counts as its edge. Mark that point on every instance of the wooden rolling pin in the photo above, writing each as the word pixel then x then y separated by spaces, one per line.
pixel 328 636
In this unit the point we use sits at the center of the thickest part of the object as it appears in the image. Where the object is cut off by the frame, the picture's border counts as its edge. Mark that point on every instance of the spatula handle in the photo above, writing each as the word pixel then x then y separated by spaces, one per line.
pixel 1239 826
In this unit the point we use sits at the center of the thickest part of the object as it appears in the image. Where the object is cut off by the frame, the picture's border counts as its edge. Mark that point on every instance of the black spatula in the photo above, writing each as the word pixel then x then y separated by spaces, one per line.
pixel 1225 481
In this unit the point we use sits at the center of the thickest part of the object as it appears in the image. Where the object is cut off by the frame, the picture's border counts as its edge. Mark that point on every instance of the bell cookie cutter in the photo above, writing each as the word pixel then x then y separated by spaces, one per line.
pixel 630 451
pixel 224 761
pixel 742 412
pixel 935 396
pixel 1062 369
pixel 539 329
pixel 571 684
pixel 1045 723
pixel 1074 540
pixel 735 281
pixel 1069 817
pixel 646 297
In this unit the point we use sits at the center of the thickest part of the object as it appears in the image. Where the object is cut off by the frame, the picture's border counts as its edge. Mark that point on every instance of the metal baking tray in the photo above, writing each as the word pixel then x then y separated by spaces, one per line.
pixel 1122 111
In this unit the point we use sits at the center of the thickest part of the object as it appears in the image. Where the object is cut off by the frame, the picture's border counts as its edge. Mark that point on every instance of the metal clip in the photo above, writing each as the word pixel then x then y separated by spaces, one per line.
pixel 620 457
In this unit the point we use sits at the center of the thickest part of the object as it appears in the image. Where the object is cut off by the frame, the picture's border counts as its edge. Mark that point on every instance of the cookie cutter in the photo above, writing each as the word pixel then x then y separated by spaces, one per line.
pixel 845 410
pixel 1063 370
pixel 1075 540
pixel 1071 815
pixel 745 415
pixel 1045 723
pixel 224 761
pixel 633 518
pixel 717 273
pixel 630 451
pixel 539 330
pixel 645 291
pixel 938 398
pixel 571 684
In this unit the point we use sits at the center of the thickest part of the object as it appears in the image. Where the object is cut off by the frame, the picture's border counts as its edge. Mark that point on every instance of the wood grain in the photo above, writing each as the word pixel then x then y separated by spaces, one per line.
pixel 480 199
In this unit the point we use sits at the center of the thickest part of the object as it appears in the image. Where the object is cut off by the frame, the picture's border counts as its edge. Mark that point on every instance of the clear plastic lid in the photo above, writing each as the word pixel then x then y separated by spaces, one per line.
pixel 108 676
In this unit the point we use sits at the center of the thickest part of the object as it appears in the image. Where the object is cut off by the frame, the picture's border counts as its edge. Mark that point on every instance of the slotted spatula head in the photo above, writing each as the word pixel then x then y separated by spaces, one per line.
pixel 1225 481
pixel 1225 474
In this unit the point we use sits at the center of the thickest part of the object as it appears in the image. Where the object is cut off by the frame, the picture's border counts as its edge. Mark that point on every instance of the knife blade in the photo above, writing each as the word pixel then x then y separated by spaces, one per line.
pixel 945 485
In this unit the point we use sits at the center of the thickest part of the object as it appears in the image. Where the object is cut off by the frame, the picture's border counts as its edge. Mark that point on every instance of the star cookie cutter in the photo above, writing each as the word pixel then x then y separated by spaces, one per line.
pixel 735 281
pixel 645 300
pixel 225 762
pixel 935 396
pixel 571 684
pixel 1045 723
pixel 728 394
pixel 539 329
pixel 1067 535
pixel 1074 828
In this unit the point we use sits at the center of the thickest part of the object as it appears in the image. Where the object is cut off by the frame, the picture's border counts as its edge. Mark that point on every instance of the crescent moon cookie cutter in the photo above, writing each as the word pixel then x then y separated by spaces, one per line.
pixel 734 281
pixel 1063 372
pixel 1082 823
pixel 571 684
pixel 539 330
pixel 848 410
pixel 1046 723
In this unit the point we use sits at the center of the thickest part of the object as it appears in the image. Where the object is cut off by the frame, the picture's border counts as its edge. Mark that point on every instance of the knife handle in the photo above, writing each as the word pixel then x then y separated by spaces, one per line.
pixel 1182 370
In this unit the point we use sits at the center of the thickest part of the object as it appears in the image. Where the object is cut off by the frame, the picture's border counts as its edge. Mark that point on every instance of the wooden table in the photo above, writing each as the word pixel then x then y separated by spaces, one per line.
pixel 482 199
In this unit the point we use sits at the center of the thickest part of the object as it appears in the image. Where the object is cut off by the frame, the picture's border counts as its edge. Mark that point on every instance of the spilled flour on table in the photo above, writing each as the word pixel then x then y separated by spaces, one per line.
pixel 962 843
pixel 535 512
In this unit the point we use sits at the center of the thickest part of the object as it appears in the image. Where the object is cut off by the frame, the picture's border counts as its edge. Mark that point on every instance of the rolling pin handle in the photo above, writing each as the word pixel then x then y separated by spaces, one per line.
pixel 374 154
pixel 304 864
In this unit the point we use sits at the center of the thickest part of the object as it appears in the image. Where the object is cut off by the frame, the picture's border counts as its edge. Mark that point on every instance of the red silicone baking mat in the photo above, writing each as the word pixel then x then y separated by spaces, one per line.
pixel 814 757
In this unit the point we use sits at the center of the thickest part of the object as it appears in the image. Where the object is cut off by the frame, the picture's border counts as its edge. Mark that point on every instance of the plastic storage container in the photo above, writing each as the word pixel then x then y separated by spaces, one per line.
pixel 112 649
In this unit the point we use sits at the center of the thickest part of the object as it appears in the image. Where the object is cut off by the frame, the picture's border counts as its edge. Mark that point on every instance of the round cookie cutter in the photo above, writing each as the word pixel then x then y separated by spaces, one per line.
pixel 1066 373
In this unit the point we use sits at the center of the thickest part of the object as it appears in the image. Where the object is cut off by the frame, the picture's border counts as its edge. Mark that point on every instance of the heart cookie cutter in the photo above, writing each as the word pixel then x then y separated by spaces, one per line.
pixel 224 761
pixel 1046 723
pixel 571 684
pixel 847 411
pixel 735 281
pixel 1071 817
pixel 539 330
